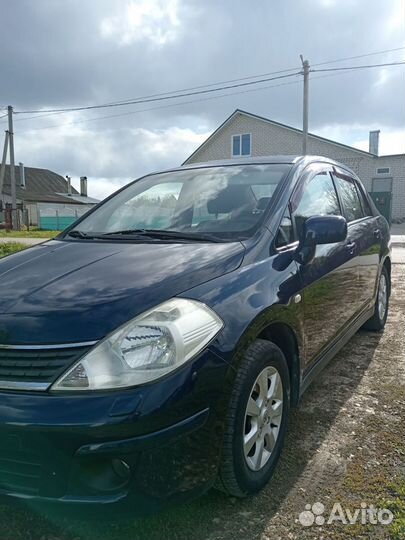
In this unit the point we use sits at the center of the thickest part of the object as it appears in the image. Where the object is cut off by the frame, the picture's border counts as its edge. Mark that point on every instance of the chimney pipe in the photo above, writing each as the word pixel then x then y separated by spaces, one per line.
pixel 373 142
pixel 69 185
pixel 22 175
pixel 83 186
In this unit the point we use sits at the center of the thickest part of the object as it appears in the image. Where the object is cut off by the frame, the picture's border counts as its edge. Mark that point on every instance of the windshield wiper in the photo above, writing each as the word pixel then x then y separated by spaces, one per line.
pixel 163 234
pixel 79 234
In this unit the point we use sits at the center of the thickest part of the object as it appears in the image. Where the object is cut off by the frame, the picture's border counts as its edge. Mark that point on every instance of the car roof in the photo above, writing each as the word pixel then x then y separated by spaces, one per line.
pixel 278 159
pixel 246 161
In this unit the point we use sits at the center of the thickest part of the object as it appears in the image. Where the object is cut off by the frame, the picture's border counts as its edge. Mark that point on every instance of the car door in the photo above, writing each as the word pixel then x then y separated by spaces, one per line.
pixel 330 280
pixel 363 232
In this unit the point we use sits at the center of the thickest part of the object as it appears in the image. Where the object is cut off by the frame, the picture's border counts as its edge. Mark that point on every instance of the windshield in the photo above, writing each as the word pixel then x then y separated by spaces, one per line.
pixel 226 202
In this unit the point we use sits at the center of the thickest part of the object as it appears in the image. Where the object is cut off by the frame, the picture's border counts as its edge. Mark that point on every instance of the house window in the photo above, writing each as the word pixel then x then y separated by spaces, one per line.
pixel 382 184
pixel 241 145
pixel 383 170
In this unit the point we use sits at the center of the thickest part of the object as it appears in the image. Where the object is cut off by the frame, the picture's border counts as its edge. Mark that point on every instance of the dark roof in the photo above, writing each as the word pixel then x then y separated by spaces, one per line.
pixel 248 160
pixel 41 185
pixel 286 126
pixel 258 160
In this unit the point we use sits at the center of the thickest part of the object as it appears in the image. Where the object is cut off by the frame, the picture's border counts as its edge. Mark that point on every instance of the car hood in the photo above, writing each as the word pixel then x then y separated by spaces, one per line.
pixel 78 291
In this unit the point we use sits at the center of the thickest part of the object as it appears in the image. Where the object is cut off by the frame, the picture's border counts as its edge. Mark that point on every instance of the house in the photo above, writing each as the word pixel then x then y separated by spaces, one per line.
pixel 48 199
pixel 247 134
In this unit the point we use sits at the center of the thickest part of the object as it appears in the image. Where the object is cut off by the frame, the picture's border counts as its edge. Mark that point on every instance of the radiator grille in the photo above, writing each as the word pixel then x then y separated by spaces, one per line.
pixel 38 366
pixel 21 473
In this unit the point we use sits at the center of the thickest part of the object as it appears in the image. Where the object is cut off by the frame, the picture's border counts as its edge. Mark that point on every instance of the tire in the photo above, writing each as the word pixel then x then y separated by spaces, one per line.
pixel 237 474
pixel 378 320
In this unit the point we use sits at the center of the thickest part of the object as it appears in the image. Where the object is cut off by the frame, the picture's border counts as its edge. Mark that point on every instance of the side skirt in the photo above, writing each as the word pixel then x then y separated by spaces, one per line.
pixel 326 357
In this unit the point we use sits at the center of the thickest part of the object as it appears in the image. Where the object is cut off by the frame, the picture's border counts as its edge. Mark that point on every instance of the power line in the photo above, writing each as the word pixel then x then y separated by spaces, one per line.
pixel 353 68
pixel 205 91
pixel 167 95
pixel 36 116
pixel 209 85
pixel 359 56
pixel 130 113
pixel 163 98
pixel 130 101
pixel 272 73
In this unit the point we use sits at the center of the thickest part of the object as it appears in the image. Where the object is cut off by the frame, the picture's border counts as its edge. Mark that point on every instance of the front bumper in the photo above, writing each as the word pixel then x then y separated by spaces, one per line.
pixel 138 447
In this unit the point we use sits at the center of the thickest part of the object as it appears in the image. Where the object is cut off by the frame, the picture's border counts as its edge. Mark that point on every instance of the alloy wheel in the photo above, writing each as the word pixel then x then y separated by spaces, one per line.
pixel 263 416
pixel 382 296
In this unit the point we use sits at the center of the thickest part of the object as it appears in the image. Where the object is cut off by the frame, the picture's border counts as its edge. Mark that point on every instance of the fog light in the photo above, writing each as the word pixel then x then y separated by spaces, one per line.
pixel 105 475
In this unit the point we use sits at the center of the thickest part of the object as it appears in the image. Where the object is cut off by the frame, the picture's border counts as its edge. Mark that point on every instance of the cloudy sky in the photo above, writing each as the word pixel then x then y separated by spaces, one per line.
pixel 71 53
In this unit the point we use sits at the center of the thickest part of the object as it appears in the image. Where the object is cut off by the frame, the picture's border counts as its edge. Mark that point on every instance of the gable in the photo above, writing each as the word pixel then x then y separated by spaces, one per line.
pixel 268 138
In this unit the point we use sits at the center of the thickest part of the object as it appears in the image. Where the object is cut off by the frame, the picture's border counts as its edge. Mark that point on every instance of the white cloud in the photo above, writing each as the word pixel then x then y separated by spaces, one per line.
pixel 109 159
pixel 327 3
pixel 154 20
pixel 100 188
pixel 392 141
pixel 168 142
pixel 383 77
pixel 396 21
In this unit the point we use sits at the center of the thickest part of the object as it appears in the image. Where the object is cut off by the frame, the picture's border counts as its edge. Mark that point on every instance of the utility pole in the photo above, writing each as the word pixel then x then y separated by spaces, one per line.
pixel 3 163
pixel 14 218
pixel 305 65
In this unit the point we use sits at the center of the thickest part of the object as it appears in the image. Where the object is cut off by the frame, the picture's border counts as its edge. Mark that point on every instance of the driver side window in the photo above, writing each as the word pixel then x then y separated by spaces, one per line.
pixel 315 197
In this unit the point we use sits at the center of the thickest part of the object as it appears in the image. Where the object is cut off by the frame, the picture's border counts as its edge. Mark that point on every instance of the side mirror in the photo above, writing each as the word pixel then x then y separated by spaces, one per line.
pixel 319 230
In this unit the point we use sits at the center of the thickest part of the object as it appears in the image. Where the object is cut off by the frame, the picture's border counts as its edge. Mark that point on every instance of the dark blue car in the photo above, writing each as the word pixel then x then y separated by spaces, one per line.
pixel 155 347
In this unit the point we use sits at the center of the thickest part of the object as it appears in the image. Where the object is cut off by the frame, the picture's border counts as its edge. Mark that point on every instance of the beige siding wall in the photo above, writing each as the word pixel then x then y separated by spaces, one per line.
pixel 270 139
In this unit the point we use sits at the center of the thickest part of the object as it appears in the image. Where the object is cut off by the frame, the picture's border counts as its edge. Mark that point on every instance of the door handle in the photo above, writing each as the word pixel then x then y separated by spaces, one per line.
pixel 351 246
pixel 377 234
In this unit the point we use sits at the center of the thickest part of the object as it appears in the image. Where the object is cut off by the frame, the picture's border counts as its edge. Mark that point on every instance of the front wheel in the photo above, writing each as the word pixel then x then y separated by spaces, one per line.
pixel 378 320
pixel 256 421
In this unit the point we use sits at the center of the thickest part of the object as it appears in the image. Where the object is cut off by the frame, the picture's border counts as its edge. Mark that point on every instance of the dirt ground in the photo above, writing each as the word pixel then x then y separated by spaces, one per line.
pixel 345 444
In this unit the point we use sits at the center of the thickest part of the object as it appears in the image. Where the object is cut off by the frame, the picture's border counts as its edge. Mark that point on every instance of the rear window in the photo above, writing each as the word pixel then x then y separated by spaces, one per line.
pixel 352 207
pixel 364 203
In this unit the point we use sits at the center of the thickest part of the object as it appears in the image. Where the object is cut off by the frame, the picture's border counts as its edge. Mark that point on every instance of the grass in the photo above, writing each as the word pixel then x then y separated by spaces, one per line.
pixel 8 249
pixel 397 506
pixel 32 233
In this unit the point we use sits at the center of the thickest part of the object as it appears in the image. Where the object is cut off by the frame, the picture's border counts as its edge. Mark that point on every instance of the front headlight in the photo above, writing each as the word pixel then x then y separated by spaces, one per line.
pixel 146 348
